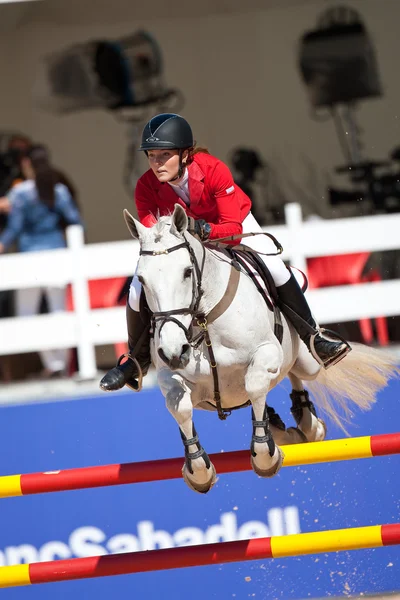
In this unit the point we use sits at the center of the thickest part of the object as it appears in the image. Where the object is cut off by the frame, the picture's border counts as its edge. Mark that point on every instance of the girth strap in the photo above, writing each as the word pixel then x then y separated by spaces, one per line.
pixel 203 324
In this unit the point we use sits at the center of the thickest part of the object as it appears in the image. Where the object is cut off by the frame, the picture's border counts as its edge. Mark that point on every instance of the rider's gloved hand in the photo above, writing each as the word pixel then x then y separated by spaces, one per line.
pixel 200 227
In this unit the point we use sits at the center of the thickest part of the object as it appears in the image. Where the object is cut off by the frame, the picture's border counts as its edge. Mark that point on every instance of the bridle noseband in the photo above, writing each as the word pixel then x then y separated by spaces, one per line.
pixel 197 292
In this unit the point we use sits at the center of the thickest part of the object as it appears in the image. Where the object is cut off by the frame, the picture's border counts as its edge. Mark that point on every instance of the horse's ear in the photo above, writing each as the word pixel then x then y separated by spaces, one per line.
pixel 180 220
pixel 134 226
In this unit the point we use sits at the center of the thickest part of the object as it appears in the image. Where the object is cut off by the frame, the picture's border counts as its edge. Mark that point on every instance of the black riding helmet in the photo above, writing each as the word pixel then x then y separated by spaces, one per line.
pixel 167 130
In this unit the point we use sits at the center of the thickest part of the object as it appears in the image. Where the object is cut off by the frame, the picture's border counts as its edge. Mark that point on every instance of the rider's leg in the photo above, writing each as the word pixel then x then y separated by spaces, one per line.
pixel 138 323
pixel 295 307
pixel 294 304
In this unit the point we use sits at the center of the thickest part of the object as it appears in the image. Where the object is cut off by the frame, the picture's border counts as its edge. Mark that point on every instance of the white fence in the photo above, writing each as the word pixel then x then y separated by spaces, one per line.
pixel 85 328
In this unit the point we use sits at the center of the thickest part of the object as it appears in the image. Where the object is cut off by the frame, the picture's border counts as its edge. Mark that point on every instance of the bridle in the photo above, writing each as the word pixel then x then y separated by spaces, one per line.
pixel 166 316
pixel 199 319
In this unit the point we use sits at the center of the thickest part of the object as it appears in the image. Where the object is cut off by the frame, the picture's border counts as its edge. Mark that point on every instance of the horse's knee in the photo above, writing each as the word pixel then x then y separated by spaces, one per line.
pixel 178 403
pixel 268 358
pixel 264 366
pixel 305 367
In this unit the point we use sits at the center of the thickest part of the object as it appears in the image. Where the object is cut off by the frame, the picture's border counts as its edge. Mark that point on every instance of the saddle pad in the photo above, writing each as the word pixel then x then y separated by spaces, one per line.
pixel 259 275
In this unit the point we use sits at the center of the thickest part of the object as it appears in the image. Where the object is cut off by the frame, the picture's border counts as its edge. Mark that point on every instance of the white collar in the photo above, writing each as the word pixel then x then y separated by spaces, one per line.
pixel 183 182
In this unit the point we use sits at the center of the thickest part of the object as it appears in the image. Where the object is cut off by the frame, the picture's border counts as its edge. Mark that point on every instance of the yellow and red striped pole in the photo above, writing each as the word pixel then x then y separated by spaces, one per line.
pixel 208 554
pixel 171 468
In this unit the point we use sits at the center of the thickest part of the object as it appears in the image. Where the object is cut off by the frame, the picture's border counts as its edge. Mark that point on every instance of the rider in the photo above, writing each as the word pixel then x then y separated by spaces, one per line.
pixel 180 172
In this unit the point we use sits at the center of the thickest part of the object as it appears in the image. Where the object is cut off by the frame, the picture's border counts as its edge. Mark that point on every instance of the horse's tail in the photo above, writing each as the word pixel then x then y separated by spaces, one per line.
pixel 355 380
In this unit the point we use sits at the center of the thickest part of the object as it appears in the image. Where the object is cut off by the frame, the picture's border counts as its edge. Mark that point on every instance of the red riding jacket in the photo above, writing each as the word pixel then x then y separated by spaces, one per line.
pixel 214 197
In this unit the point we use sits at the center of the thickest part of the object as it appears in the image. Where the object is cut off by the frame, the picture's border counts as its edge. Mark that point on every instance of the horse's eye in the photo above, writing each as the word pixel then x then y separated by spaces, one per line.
pixel 187 273
pixel 140 279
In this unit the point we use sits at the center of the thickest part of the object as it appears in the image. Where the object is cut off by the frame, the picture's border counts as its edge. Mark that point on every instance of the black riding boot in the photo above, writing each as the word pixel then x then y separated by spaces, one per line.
pixel 294 306
pixel 127 373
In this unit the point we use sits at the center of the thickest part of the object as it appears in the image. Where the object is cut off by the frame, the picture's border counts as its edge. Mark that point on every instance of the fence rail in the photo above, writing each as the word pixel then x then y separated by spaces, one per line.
pixel 315 542
pixel 80 262
pixel 171 468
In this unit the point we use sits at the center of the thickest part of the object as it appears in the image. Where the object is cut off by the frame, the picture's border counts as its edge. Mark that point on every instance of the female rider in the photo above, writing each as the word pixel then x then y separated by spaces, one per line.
pixel 182 173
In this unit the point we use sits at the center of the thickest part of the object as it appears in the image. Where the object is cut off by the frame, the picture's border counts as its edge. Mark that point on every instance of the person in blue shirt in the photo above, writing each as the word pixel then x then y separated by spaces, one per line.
pixel 40 208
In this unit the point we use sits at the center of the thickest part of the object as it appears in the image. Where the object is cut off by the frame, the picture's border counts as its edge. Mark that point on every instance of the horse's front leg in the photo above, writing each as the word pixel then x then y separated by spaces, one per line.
pixel 266 456
pixel 198 471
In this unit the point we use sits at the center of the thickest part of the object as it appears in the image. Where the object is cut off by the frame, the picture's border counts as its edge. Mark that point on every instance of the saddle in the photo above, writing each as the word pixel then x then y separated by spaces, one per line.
pixel 247 260
pixel 244 258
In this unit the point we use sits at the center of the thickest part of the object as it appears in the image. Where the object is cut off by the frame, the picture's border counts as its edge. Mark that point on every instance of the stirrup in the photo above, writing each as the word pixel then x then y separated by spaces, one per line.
pixel 139 378
pixel 331 337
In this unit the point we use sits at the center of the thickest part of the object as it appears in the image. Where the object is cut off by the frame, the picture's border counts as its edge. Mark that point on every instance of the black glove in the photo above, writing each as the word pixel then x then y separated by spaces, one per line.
pixel 200 227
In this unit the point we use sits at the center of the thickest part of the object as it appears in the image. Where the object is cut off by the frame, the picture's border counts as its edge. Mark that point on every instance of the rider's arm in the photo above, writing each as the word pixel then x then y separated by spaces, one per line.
pixel 145 205
pixel 228 204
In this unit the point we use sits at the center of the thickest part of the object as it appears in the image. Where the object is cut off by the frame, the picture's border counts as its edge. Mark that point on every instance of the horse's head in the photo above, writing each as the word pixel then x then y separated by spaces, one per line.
pixel 170 273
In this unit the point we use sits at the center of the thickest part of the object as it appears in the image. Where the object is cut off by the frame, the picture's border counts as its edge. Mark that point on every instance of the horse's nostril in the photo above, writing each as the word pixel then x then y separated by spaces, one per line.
pixel 185 349
pixel 175 361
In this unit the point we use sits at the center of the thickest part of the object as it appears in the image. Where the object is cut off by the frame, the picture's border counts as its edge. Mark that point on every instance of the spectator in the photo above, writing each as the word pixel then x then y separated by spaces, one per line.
pixel 18 147
pixel 39 209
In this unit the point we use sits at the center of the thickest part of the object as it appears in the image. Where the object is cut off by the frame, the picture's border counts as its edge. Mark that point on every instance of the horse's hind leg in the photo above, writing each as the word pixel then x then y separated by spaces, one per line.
pixel 281 435
pixel 304 412
pixel 198 471
pixel 266 456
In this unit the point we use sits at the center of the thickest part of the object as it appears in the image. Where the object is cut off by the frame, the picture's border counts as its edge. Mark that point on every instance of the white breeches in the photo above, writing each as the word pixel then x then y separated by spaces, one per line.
pixel 262 243
pixel 134 293
pixel 259 243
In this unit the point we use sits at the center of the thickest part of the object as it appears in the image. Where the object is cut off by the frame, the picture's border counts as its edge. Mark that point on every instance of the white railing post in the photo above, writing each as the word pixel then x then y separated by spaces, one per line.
pixel 294 221
pixel 80 295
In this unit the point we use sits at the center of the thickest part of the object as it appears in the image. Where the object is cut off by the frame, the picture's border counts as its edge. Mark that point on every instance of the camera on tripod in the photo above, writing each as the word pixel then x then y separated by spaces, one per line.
pixel 378 181
pixel 338 66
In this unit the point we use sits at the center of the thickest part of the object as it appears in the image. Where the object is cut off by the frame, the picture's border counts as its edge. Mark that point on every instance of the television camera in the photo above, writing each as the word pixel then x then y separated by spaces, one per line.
pixel 338 66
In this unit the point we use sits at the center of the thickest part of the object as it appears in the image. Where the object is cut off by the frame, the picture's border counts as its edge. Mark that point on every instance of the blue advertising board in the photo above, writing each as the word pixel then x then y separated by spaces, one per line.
pixel 126 427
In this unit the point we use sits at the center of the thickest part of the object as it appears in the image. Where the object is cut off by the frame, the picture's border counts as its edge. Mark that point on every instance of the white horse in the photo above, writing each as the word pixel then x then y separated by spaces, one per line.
pixel 214 346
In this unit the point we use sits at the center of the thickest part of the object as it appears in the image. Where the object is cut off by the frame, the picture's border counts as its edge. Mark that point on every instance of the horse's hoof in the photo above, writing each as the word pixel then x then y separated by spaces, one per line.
pixel 201 488
pixel 273 470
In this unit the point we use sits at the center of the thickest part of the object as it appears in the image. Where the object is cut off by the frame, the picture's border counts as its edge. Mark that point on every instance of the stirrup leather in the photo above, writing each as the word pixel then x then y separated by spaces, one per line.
pixel 139 378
